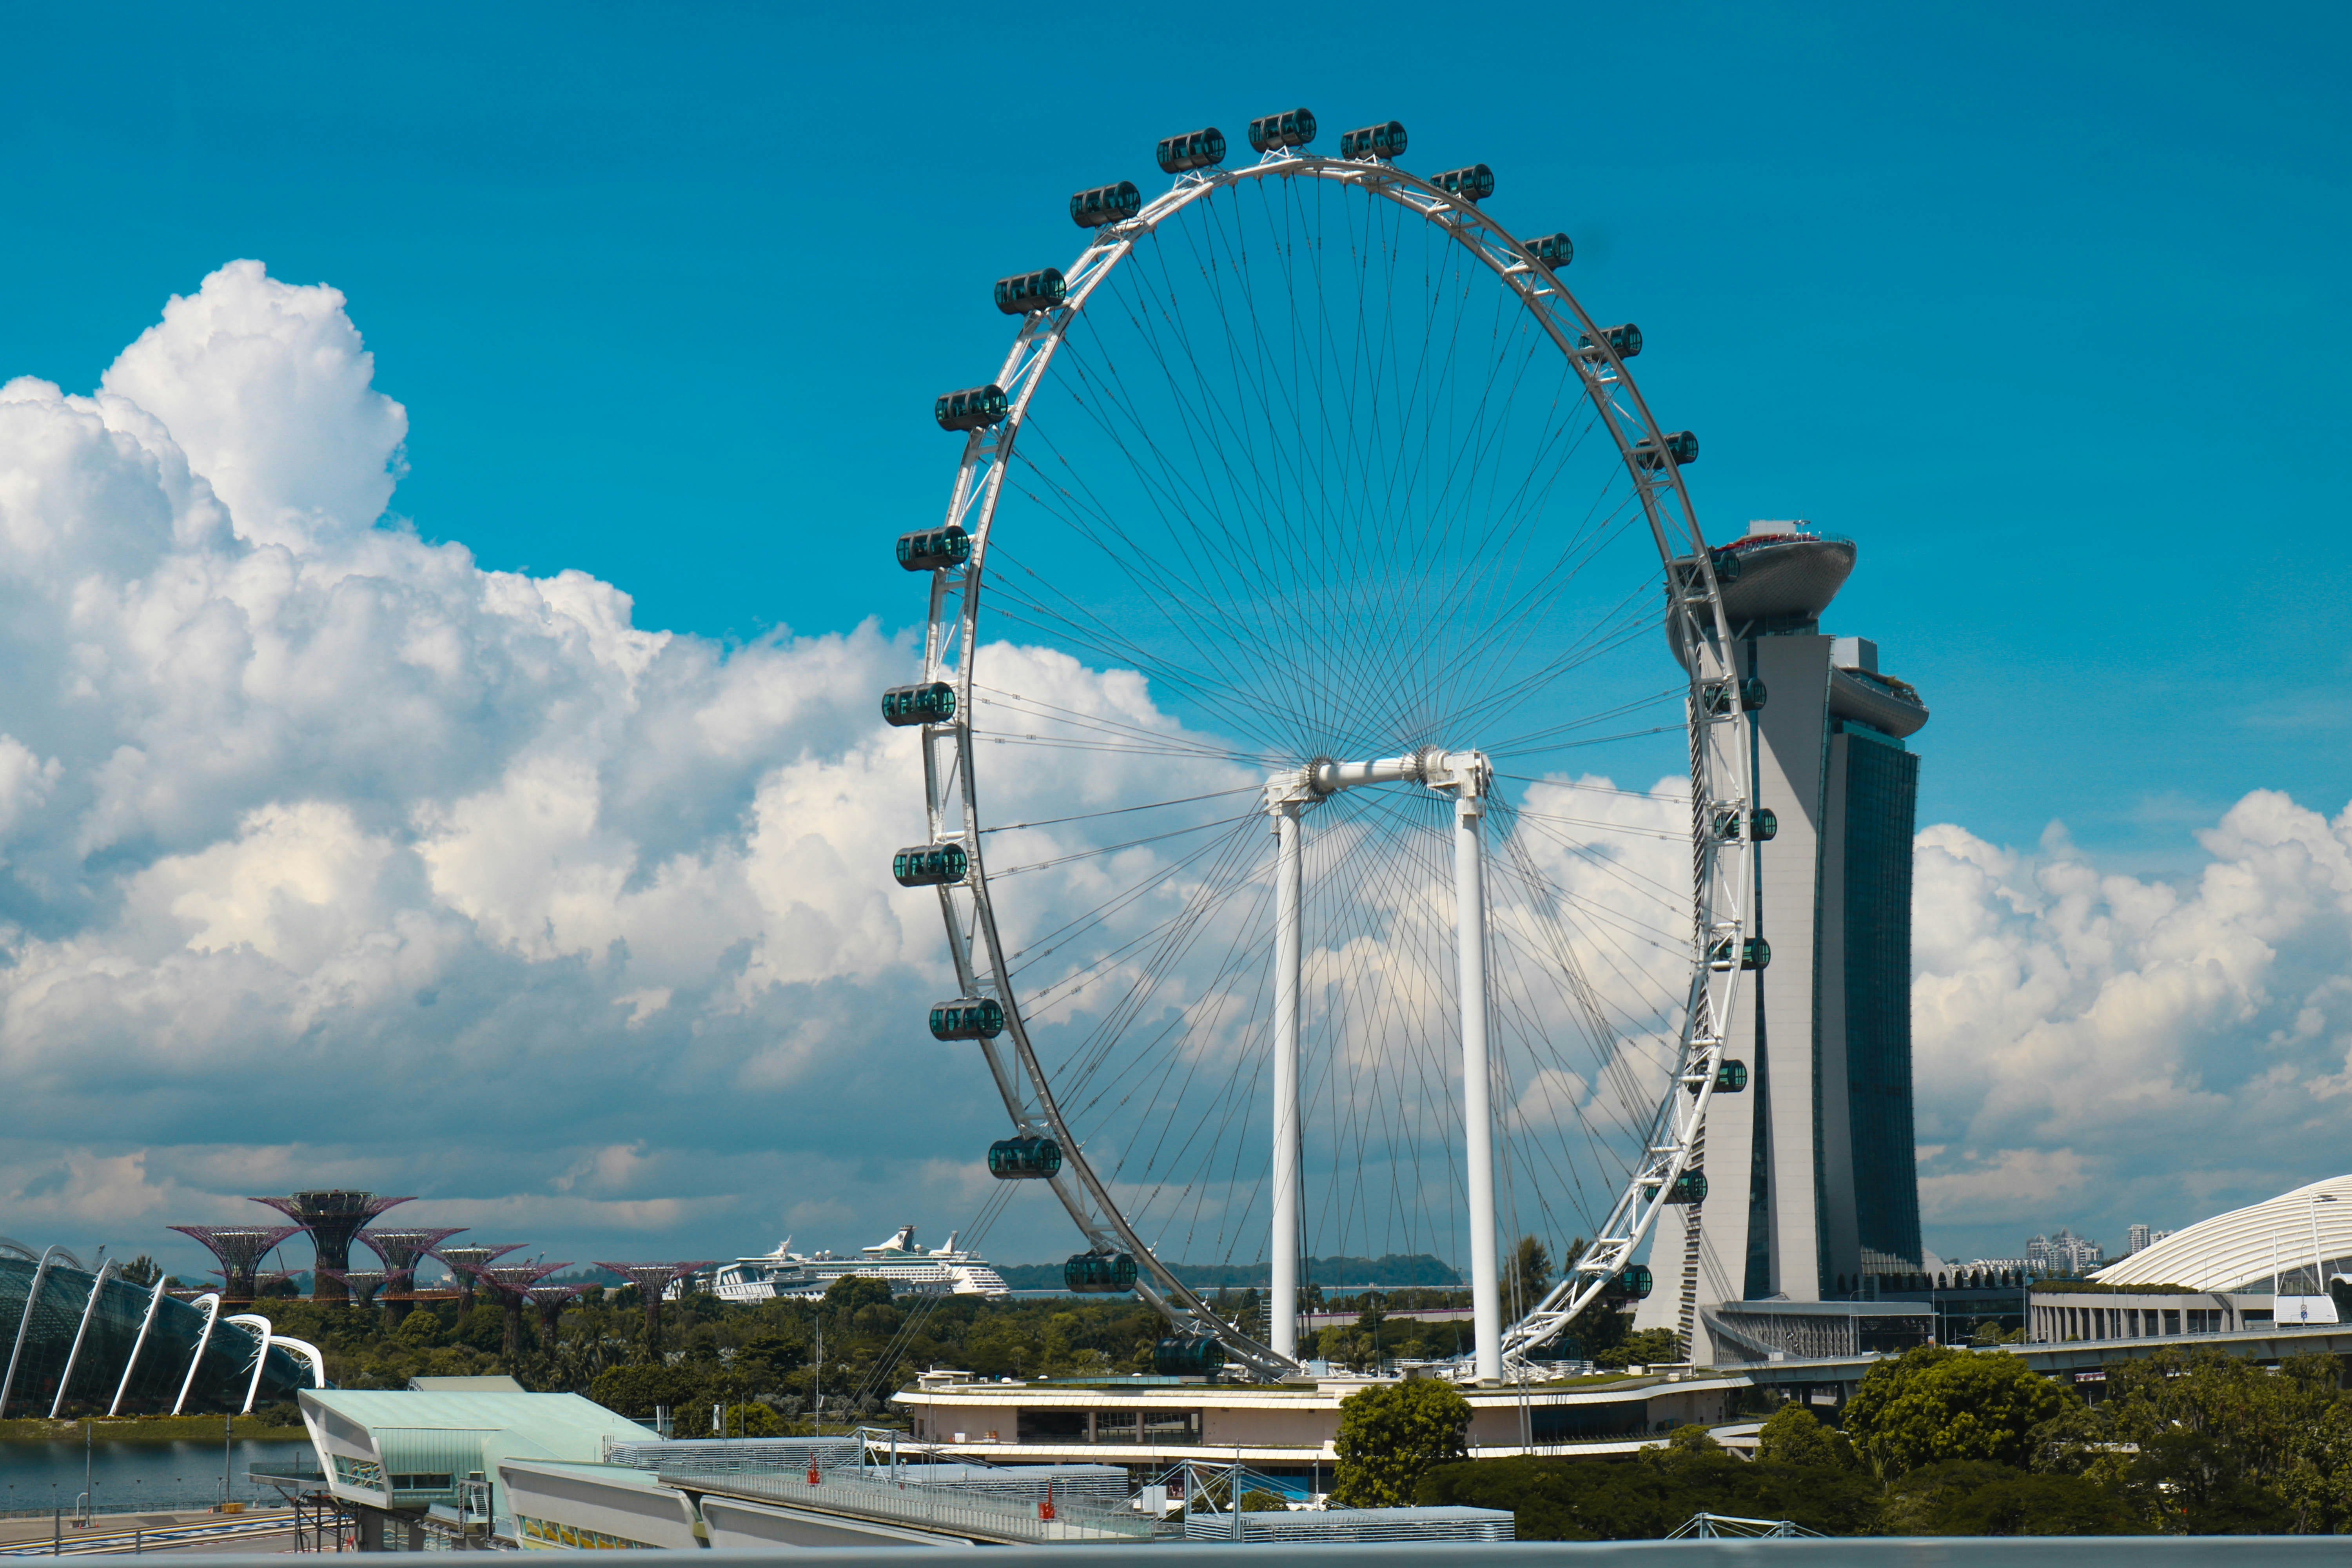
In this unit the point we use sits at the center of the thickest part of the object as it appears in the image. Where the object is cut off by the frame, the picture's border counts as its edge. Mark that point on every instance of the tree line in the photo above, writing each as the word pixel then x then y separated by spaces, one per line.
pixel 1951 1442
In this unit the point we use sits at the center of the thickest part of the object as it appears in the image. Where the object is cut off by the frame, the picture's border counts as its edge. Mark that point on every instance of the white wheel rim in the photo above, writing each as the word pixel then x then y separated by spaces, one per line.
pixel 1720 757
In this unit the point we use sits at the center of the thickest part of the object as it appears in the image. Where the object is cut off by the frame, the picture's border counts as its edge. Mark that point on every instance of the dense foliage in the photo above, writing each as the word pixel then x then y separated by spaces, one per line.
pixel 1644 1498
pixel 1935 1404
pixel 1390 1435
pixel 750 1359
pixel 1945 1442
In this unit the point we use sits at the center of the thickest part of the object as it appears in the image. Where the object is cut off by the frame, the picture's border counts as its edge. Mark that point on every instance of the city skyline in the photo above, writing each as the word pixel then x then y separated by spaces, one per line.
pixel 337 854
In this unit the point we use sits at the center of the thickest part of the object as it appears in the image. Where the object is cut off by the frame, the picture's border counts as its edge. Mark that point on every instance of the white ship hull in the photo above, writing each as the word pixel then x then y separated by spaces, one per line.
pixel 908 1268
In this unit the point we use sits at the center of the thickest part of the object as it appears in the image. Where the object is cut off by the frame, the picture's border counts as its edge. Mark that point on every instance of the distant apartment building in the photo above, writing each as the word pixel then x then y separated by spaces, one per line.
pixel 2141 1238
pixel 2065 1253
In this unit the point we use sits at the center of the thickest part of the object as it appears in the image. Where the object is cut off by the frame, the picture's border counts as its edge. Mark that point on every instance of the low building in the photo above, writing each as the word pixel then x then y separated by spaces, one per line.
pixel 1747 1333
pixel 2055 1316
pixel 558 1506
pixel 1289 1430
pixel 413 1464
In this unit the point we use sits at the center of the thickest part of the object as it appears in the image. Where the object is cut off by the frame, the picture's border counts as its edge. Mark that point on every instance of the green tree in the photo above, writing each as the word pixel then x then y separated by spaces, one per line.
pixel 1390 1434
pixel 419 1329
pixel 1643 1499
pixel 1691 1441
pixel 1641 1347
pixel 2207 1443
pixel 635 1390
pixel 851 1291
pixel 1971 1497
pixel 754 1421
pixel 1793 1435
pixel 140 1271
pixel 1529 1274
pixel 1934 1404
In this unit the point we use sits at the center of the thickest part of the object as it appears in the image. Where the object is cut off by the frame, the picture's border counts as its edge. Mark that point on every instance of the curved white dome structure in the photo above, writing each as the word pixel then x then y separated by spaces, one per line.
pixel 2245 1248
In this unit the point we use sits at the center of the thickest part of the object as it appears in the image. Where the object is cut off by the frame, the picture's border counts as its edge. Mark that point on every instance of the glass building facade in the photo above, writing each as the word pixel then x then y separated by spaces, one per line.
pixel 1881 797
pixel 38 1328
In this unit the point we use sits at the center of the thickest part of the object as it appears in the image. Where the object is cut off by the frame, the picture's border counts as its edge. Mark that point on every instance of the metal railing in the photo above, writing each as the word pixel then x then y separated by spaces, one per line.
pixel 941 1509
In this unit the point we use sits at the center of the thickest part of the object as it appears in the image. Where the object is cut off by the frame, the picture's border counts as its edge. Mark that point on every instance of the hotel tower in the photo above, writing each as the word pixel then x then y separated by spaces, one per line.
pixel 1811 1179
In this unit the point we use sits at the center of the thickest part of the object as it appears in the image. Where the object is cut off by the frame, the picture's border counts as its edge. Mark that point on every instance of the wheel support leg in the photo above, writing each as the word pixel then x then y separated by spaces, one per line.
pixel 1477 1108
pixel 1283 1307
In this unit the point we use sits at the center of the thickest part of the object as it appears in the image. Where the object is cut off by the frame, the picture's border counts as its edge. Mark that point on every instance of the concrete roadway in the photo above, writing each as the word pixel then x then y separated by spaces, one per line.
pixel 270 1529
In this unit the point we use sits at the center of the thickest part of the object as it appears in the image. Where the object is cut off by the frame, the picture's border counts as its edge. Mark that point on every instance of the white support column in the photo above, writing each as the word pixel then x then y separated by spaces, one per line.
pixel 154 1301
pixel 210 1305
pixel 1478 1109
pixel 82 1333
pixel 1283 1247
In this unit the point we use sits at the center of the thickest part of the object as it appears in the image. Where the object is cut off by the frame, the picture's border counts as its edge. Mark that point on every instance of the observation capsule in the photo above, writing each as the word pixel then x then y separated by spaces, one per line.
pixel 1690 1187
pixel 931 865
pixel 1026 291
pixel 1554 250
pixel 1632 1282
pixel 1726 564
pixel 967 1018
pixel 1755 953
pixel 1475 183
pixel 1752 695
pixel 1025 1158
pixel 1202 148
pixel 1730 1077
pixel 1294 127
pixel 1374 141
pixel 1106 204
pixel 1188 1358
pixel 932 702
pixel 934 549
pixel 1099 1274
pixel 1624 342
pixel 1761 826
pixel 974 408
pixel 1681 446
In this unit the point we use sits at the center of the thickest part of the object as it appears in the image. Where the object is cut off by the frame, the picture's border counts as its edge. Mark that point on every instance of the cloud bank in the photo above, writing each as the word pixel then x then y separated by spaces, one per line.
pixel 2096 1049
pixel 327 855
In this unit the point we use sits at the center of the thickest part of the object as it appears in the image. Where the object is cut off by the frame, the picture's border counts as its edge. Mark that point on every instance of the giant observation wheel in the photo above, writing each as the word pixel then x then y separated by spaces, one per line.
pixel 1294 657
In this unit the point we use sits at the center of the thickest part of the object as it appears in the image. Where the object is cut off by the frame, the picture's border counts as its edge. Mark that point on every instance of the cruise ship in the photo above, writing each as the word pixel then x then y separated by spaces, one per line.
pixel 937 1271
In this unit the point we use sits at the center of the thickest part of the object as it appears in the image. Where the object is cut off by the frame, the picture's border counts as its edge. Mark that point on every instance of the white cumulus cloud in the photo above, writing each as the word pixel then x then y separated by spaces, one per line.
pixel 329 857
pixel 2097 1049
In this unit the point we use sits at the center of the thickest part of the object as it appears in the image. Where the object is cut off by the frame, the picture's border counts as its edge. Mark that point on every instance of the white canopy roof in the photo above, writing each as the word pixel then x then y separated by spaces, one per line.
pixel 2242 1250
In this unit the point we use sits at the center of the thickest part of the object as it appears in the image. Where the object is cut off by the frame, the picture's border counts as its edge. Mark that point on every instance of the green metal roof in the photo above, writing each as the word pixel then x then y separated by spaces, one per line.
pixel 439 1432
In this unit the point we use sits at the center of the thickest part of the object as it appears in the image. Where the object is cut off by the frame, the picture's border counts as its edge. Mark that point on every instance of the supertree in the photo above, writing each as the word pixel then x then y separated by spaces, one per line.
pixel 651 1279
pixel 509 1284
pixel 332 1219
pixel 240 1249
pixel 466 1262
pixel 549 1301
pixel 402 1250
pixel 366 1285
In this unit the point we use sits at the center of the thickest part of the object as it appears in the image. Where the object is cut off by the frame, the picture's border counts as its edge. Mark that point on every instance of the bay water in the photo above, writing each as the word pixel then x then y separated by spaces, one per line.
pixel 136 1477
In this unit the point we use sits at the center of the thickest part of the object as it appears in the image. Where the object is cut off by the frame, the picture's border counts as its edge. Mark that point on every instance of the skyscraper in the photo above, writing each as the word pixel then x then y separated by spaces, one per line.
pixel 1813 1180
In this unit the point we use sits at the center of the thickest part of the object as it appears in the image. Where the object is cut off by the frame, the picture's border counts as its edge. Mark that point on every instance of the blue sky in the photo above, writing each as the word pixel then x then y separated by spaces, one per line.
pixel 2043 305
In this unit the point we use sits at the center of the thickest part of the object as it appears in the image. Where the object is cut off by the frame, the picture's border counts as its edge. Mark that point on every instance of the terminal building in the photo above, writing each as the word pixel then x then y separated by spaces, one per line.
pixel 1812 1181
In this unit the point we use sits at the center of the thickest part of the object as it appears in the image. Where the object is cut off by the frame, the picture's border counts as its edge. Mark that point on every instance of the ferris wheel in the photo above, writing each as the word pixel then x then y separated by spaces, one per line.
pixel 1339 790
